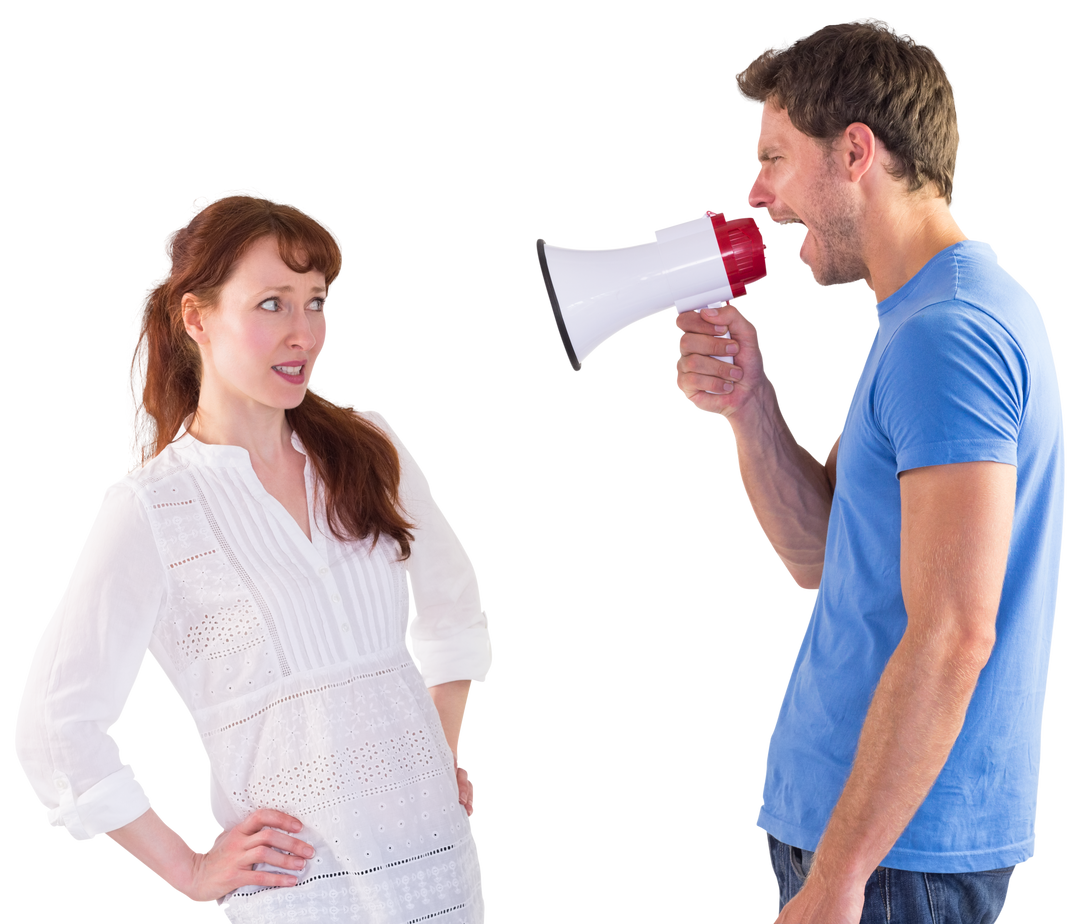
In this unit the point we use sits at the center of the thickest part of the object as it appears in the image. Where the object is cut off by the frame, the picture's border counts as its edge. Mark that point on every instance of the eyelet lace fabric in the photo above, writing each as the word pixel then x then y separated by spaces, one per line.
pixel 290 655
pixel 319 713
pixel 361 762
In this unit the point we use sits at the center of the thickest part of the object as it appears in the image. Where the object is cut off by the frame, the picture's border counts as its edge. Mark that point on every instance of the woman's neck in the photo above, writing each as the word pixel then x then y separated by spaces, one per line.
pixel 262 431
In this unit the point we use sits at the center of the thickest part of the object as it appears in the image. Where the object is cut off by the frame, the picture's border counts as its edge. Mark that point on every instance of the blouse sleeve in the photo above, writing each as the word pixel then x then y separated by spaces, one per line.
pixel 84 669
pixel 449 634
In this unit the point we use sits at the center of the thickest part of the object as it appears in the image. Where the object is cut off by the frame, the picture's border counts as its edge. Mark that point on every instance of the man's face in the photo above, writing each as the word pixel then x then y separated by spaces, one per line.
pixel 800 181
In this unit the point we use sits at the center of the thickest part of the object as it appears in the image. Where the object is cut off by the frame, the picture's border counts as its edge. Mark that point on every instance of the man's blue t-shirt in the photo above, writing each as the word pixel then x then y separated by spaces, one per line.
pixel 960 371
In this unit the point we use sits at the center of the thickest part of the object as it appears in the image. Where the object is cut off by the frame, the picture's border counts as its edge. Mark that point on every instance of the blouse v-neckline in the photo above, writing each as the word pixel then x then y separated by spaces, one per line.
pixel 238 458
pixel 307 500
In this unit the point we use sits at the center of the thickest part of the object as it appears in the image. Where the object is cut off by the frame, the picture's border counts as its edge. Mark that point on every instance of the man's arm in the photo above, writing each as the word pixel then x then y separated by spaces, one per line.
pixel 956 522
pixel 790 491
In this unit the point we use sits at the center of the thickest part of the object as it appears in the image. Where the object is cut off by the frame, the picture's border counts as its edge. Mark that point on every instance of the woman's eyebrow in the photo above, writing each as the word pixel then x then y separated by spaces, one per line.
pixel 289 288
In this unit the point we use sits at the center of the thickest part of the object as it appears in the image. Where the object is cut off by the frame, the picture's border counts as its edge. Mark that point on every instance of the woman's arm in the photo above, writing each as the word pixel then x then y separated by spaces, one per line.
pixel 449 699
pixel 158 847
pixel 228 864
pixel 449 633
pixel 84 669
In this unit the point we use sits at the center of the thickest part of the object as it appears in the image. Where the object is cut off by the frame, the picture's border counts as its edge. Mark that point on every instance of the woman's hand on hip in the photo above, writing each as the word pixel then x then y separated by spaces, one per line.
pixel 259 838
pixel 465 788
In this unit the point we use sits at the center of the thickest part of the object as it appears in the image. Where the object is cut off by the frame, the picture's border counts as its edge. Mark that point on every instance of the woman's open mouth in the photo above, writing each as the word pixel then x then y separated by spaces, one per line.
pixel 291 373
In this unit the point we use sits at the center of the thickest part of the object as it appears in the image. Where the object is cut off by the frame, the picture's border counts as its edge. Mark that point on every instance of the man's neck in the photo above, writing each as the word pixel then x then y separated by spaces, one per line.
pixel 903 237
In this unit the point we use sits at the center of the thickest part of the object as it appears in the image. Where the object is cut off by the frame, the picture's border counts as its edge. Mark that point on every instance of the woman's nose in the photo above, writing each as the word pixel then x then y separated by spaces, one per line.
pixel 302 333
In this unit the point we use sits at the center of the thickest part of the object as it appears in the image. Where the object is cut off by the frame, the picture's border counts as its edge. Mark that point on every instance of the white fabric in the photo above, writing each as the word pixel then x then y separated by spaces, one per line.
pixel 290 655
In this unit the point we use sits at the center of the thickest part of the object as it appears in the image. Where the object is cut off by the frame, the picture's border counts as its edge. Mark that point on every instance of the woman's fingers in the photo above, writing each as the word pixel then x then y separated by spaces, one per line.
pixel 262 830
pixel 465 790
pixel 268 818
pixel 260 838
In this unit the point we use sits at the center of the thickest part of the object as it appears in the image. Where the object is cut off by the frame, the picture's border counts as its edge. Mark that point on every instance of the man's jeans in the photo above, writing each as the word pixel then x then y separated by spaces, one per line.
pixel 896 896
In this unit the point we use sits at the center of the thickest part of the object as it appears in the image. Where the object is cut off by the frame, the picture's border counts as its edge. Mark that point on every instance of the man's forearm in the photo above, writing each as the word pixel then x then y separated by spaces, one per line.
pixel 914 719
pixel 790 491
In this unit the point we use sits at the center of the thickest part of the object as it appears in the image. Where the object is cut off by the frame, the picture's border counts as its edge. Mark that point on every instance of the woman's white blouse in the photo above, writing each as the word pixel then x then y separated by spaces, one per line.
pixel 291 656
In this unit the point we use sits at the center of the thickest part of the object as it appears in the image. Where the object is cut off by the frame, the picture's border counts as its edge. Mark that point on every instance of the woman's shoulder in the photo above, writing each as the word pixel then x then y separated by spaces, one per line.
pixel 379 422
pixel 156 475
pixel 410 473
pixel 124 519
pixel 374 417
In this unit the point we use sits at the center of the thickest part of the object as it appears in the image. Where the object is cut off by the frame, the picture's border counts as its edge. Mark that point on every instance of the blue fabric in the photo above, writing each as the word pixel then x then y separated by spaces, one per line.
pixel 897 896
pixel 960 370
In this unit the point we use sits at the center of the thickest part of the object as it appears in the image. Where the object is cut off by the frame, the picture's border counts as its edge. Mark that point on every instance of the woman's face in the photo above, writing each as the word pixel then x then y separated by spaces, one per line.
pixel 260 340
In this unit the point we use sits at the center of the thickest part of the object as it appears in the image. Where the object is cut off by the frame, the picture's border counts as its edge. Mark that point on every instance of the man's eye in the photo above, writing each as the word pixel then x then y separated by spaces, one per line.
pixel 270 304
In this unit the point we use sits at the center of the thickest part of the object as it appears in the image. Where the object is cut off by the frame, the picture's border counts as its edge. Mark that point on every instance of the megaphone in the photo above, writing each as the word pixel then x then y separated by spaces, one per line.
pixel 595 293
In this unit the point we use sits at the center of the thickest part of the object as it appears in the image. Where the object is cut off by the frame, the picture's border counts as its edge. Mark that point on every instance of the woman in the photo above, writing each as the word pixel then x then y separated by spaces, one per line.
pixel 260 553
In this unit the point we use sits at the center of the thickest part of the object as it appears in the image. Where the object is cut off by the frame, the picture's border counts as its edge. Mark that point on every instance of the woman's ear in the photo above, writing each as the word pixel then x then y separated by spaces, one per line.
pixel 192 315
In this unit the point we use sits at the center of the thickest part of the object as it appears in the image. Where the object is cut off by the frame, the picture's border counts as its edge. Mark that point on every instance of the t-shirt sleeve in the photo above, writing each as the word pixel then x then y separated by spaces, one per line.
pixel 951 388
pixel 84 669
pixel 449 634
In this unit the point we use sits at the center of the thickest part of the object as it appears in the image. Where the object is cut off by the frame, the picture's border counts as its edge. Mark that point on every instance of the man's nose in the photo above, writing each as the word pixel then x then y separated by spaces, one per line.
pixel 760 197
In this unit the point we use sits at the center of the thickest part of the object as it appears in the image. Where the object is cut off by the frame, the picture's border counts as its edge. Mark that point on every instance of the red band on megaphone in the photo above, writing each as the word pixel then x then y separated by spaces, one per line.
pixel 742 250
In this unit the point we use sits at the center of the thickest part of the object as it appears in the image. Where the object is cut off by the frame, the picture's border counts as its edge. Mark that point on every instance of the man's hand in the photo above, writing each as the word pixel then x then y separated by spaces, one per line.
pixel 814 905
pixel 712 385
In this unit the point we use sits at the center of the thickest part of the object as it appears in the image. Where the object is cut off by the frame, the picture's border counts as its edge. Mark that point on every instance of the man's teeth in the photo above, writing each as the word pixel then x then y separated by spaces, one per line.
pixel 289 370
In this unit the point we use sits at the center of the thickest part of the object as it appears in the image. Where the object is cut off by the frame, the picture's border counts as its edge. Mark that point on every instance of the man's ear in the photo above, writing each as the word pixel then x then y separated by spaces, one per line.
pixel 858 148
pixel 192 314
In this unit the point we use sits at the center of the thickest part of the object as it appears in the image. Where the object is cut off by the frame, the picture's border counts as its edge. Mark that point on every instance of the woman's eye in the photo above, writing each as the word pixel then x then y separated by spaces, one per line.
pixel 274 304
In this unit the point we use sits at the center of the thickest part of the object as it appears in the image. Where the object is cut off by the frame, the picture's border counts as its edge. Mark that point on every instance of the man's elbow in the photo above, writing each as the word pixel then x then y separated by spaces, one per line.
pixel 965 645
pixel 978 644
pixel 807 577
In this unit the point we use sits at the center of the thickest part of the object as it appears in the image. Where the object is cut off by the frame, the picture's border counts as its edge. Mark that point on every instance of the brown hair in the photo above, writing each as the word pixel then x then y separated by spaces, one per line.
pixel 354 460
pixel 864 72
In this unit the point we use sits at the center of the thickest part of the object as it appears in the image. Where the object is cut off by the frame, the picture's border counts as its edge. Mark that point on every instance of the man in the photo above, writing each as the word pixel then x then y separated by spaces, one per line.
pixel 902 772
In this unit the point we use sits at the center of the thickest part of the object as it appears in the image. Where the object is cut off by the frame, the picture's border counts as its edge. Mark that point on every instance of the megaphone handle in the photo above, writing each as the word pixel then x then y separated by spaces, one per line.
pixel 727 336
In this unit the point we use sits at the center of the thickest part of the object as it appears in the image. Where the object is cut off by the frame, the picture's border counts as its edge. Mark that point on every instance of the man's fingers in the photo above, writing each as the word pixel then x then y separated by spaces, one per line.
pixel 698 322
pixel 707 344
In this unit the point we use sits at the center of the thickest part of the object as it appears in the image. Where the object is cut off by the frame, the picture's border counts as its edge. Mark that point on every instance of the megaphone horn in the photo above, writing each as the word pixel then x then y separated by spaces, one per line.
pixel 595 293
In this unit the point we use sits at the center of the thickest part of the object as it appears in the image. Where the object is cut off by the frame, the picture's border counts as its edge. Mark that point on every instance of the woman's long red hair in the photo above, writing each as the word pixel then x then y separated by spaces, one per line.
pixel 356 464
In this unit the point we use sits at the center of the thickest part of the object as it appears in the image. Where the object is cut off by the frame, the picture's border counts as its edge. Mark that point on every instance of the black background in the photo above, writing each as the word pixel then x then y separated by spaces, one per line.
pixel 644 632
